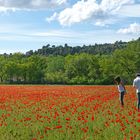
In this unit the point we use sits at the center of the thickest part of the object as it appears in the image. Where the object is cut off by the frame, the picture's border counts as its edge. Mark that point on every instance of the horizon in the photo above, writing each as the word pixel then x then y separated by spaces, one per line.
pixel 57 45
pixel 28 25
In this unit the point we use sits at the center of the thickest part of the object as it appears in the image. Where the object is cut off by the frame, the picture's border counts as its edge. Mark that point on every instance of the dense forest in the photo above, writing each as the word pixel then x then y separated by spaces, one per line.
pixel 93 64
pixel 65 50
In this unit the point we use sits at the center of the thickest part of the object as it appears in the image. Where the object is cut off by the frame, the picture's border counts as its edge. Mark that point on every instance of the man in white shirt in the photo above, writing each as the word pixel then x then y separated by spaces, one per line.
pixel 136 84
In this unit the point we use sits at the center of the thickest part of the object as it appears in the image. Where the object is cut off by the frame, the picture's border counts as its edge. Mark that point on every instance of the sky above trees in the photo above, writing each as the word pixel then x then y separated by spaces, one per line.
pixel 30 24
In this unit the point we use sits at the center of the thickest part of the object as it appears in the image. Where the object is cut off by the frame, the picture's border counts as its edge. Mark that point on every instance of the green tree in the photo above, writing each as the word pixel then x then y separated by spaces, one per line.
pixel 55 70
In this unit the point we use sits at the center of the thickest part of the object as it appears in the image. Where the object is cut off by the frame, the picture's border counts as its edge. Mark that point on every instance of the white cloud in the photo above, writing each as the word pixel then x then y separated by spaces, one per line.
pixel 132 29
pixel 60 1
pixel 53 17
pixel 29 4
pixel 114 5
pixel 81 11
pixel 130 10
pixel 12 32
pixel 91 10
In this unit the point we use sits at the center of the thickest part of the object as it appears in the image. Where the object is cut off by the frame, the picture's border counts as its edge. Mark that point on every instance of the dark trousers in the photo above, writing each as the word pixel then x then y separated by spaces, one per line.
pixel 138 103
pixel 122 97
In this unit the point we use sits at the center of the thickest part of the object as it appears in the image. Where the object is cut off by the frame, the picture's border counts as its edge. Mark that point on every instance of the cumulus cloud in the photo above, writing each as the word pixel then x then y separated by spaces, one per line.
pixel 29 4
pixel 81 11
pixel 114 5
pixel 90 9
pixel 132 29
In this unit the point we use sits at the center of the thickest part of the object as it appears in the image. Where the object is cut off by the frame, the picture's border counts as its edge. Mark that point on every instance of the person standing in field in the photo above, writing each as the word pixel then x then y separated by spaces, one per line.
pixel 136 84
pixel 121 89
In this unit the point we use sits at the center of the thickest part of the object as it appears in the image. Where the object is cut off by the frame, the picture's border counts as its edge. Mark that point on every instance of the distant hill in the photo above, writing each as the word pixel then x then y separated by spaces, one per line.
pixel 53 50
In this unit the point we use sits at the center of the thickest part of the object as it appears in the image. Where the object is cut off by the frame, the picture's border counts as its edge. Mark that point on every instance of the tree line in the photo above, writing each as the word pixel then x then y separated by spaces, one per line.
pixel 65 50
pixel 78 68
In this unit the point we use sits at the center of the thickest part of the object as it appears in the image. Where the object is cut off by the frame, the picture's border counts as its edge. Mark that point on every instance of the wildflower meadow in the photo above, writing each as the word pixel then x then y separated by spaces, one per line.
pixel 67 113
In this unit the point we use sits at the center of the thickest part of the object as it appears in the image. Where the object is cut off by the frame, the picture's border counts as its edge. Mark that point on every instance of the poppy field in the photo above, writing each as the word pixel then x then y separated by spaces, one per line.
pixel 68 113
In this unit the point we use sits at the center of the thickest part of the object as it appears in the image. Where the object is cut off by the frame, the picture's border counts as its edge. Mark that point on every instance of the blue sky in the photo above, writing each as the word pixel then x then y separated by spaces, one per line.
pixel 29 24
